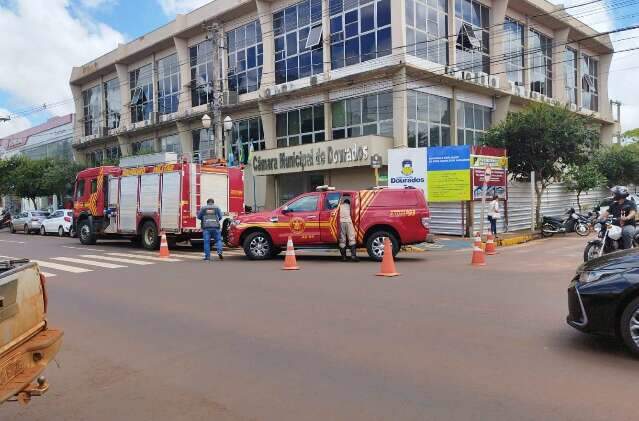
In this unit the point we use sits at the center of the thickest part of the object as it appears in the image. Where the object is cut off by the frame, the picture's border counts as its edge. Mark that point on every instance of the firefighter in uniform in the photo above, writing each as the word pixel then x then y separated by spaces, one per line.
pixel 211 215
pixel 346 230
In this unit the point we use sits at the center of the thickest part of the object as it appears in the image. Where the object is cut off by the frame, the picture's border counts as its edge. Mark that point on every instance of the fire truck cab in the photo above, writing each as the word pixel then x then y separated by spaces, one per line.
pixel 142 201
pixel 312 221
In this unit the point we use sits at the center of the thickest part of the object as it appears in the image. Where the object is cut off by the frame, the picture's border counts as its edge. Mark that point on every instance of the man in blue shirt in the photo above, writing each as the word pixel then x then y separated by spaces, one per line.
pixel 211 215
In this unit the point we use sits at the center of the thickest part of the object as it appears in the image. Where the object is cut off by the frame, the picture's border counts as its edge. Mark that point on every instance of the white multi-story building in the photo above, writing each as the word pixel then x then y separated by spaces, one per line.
pixel 318 86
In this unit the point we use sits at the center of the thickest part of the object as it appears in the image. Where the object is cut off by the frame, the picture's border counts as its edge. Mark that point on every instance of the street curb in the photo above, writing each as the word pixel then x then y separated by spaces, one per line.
pixel 518 239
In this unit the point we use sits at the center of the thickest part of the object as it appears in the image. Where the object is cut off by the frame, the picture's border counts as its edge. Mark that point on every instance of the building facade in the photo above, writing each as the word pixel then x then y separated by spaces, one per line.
pixel 314 88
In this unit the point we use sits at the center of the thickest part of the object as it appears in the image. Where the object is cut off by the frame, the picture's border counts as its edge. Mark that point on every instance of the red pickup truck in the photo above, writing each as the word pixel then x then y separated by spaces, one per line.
pixel 312 221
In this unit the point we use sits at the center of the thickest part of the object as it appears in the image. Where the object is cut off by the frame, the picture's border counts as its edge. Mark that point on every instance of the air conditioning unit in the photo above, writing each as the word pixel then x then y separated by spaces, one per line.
pixel 573 108
pixel 583 110
pixel 313 80
pixel 230 98
pixel 513 87
pixel 536 96
pixel 521 91
pixel 493 82
pixel 459 74
pixel 470 77
pixel 451 70
pixel 482 78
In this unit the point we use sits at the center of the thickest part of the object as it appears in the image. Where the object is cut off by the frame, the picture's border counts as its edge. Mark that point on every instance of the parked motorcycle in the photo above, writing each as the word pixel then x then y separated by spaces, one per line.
pixel 572 221
pixel 5 219
pixel 608 239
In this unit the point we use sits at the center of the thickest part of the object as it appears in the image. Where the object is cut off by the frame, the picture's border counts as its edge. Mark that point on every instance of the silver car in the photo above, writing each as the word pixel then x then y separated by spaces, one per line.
pixel 28 222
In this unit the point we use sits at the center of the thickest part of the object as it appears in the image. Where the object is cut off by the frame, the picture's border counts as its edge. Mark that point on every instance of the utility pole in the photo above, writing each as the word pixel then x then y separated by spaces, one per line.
pixel 213 33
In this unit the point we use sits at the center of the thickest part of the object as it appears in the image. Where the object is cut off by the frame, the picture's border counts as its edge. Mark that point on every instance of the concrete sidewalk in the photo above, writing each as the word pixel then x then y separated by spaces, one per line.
pixel 449 242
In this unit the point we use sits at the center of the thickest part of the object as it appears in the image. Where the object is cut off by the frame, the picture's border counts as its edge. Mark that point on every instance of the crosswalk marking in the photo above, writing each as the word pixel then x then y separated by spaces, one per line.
pixel 48 275
pixel 64 268
pixel 141 256
pixel 116 259
pixel 178 255
pixel 89 262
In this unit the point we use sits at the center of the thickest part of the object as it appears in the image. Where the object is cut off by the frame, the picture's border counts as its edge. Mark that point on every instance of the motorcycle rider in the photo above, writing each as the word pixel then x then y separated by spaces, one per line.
pixel 624 212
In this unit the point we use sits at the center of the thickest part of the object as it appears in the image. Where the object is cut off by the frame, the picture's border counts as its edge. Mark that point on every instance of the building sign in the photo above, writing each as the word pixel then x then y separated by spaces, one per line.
pixel 407 167
pixel 319 156
pixel 448 173
pixel 483 157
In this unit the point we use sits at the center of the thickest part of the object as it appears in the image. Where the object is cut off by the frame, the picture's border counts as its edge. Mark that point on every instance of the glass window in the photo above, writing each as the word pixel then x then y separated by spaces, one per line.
pixel 428 120
pixel 540 60
pixel 112 103
pixel 171 143
pixel 92 110
pixel 79 190
pixel 141 85
pixel 245 57
pixel 360 116
pixel 246 134
pixel 143 147
pixel 332 200
pixel 298 52
pixel 301 126
pixel 304 204
pixel 203 144
pixel 514 50
pixel 589 83
pixel 427 30
pixel 570 75
pixel 472 121
pixel 94 185
pixel 201 57
pixel 168 84
pixel 472 38
pixel 359 31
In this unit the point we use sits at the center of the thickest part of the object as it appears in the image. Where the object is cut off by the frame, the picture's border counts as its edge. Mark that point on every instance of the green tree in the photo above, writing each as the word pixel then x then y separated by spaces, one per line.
pixel 543 140
pixel 58 178
pixel 634 133
pixel 581 178
pixel 7 174
pixel 619 164
pixel 28 179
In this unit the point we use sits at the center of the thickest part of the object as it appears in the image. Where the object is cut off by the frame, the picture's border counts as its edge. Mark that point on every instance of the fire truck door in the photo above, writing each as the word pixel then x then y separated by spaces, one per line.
pixel 300 220
pixel 329 218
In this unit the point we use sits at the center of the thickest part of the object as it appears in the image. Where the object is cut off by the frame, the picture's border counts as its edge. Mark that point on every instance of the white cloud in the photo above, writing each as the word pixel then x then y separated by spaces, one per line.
pixel 172 7
pixel 12 126
pixel 94 4
pixel 42 40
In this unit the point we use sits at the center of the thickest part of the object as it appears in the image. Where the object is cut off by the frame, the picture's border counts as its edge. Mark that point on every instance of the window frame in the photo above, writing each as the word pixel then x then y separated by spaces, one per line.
pixel 514 48
pixel 141 87
pixel 113 106
pixel 245 125
pixel 474 16
pixel 589 77
pixel 168 84
pixel 570 67
pixel 301 199
pixel 463 130
pixel 91 106
pixel 239 80
pixel 419 118
pixel 283 119
pixel 201 61
pixel 540 78
pixel 351 129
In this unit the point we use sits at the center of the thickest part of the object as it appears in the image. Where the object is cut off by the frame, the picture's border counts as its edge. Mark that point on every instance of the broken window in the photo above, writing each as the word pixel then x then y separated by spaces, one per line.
pixel 467 38
pixel 314 37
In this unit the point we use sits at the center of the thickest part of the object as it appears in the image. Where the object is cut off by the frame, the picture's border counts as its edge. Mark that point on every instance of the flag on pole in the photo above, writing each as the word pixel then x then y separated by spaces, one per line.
pixel 240 152
pixel 231 160
pixel 250 153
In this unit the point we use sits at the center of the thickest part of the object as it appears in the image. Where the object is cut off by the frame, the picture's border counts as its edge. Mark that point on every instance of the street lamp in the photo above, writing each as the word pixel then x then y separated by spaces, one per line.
pixel 206 123
pixel 228 126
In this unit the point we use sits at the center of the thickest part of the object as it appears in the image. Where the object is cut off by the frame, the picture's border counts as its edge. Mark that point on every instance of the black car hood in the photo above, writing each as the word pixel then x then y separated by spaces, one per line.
pixel 624 259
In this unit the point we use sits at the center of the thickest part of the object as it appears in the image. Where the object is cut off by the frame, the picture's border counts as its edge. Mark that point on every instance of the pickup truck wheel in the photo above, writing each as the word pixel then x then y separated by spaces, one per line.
pixel 150 238
pixel 258 246
pixel 629 326
pixel 375 244
pixel 86 233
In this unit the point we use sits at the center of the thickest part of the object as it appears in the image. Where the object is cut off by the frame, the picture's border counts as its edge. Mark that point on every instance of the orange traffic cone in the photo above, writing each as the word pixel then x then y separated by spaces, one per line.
pixel 478 254
pixel 164 246
pixel 490 245
pixel 290 263
pixel 388 264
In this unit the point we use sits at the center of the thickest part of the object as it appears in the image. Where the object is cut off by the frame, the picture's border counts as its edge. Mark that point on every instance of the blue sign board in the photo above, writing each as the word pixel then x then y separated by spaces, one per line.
pixel 448 158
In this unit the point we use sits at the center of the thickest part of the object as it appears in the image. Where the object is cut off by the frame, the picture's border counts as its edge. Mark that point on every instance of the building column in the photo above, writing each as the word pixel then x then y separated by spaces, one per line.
pixel 268 45
pixel 185 73
pixel 502 106
pixel 328 117
pixel 125 94
pixel 527 55
pixel 398 29
pixel 579 76
pixel 452 30
pixel 103 110
pixel 605 108
pixel 78 123
pixel 496 43
pixel 559 65
pixel 125 146
pixel 453 118
pixel 269 129
pixel 186 139
pixel 154 80
pixel 326 39
pixel 400 109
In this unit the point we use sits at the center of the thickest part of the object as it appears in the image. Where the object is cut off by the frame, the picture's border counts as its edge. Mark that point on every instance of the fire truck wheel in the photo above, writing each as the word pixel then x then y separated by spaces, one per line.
pixel 258 246
pixel 150 238
pixel 86 233
pixel 375 244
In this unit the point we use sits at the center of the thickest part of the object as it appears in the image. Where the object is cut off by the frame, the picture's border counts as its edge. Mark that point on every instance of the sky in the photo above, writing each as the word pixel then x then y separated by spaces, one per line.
pixel 43 39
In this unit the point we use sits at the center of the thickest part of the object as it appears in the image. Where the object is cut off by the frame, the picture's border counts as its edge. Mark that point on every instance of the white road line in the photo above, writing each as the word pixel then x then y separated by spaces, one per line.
pixel 82 248
pixel 48 275
pixel 11 241
pixel 89 262
pixel 64 268
pixel 178 255
pixel 116 259
pixel 141 256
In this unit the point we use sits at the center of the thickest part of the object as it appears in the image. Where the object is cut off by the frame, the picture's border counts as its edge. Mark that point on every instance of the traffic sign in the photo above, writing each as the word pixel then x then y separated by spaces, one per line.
pixel 376 161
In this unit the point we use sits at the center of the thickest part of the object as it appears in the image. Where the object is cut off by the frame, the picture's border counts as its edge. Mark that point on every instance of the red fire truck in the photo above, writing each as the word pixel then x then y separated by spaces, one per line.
pixel 139 202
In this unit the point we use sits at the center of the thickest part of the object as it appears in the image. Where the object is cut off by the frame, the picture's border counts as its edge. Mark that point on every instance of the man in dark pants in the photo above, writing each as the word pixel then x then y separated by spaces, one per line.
pixel 211 215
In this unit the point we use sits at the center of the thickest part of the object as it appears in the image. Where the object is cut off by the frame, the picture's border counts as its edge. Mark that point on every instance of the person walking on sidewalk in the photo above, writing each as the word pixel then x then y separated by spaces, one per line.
pixel 347 230
pixel 493 214
pixel 211 215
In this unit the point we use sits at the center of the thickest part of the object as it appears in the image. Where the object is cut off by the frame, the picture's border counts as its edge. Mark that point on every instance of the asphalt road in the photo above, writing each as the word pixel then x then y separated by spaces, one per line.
pixel 241 340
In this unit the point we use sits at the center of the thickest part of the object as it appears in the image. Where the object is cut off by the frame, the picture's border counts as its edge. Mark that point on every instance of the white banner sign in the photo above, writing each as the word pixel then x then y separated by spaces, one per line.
pixel 407 167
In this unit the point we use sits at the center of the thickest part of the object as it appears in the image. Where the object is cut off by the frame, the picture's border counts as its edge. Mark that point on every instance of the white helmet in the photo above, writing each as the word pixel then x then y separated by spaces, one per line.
pixel 614 232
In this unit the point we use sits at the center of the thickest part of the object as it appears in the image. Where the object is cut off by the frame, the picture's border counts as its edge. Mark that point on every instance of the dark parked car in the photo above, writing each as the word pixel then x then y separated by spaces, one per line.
pixel 603 297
